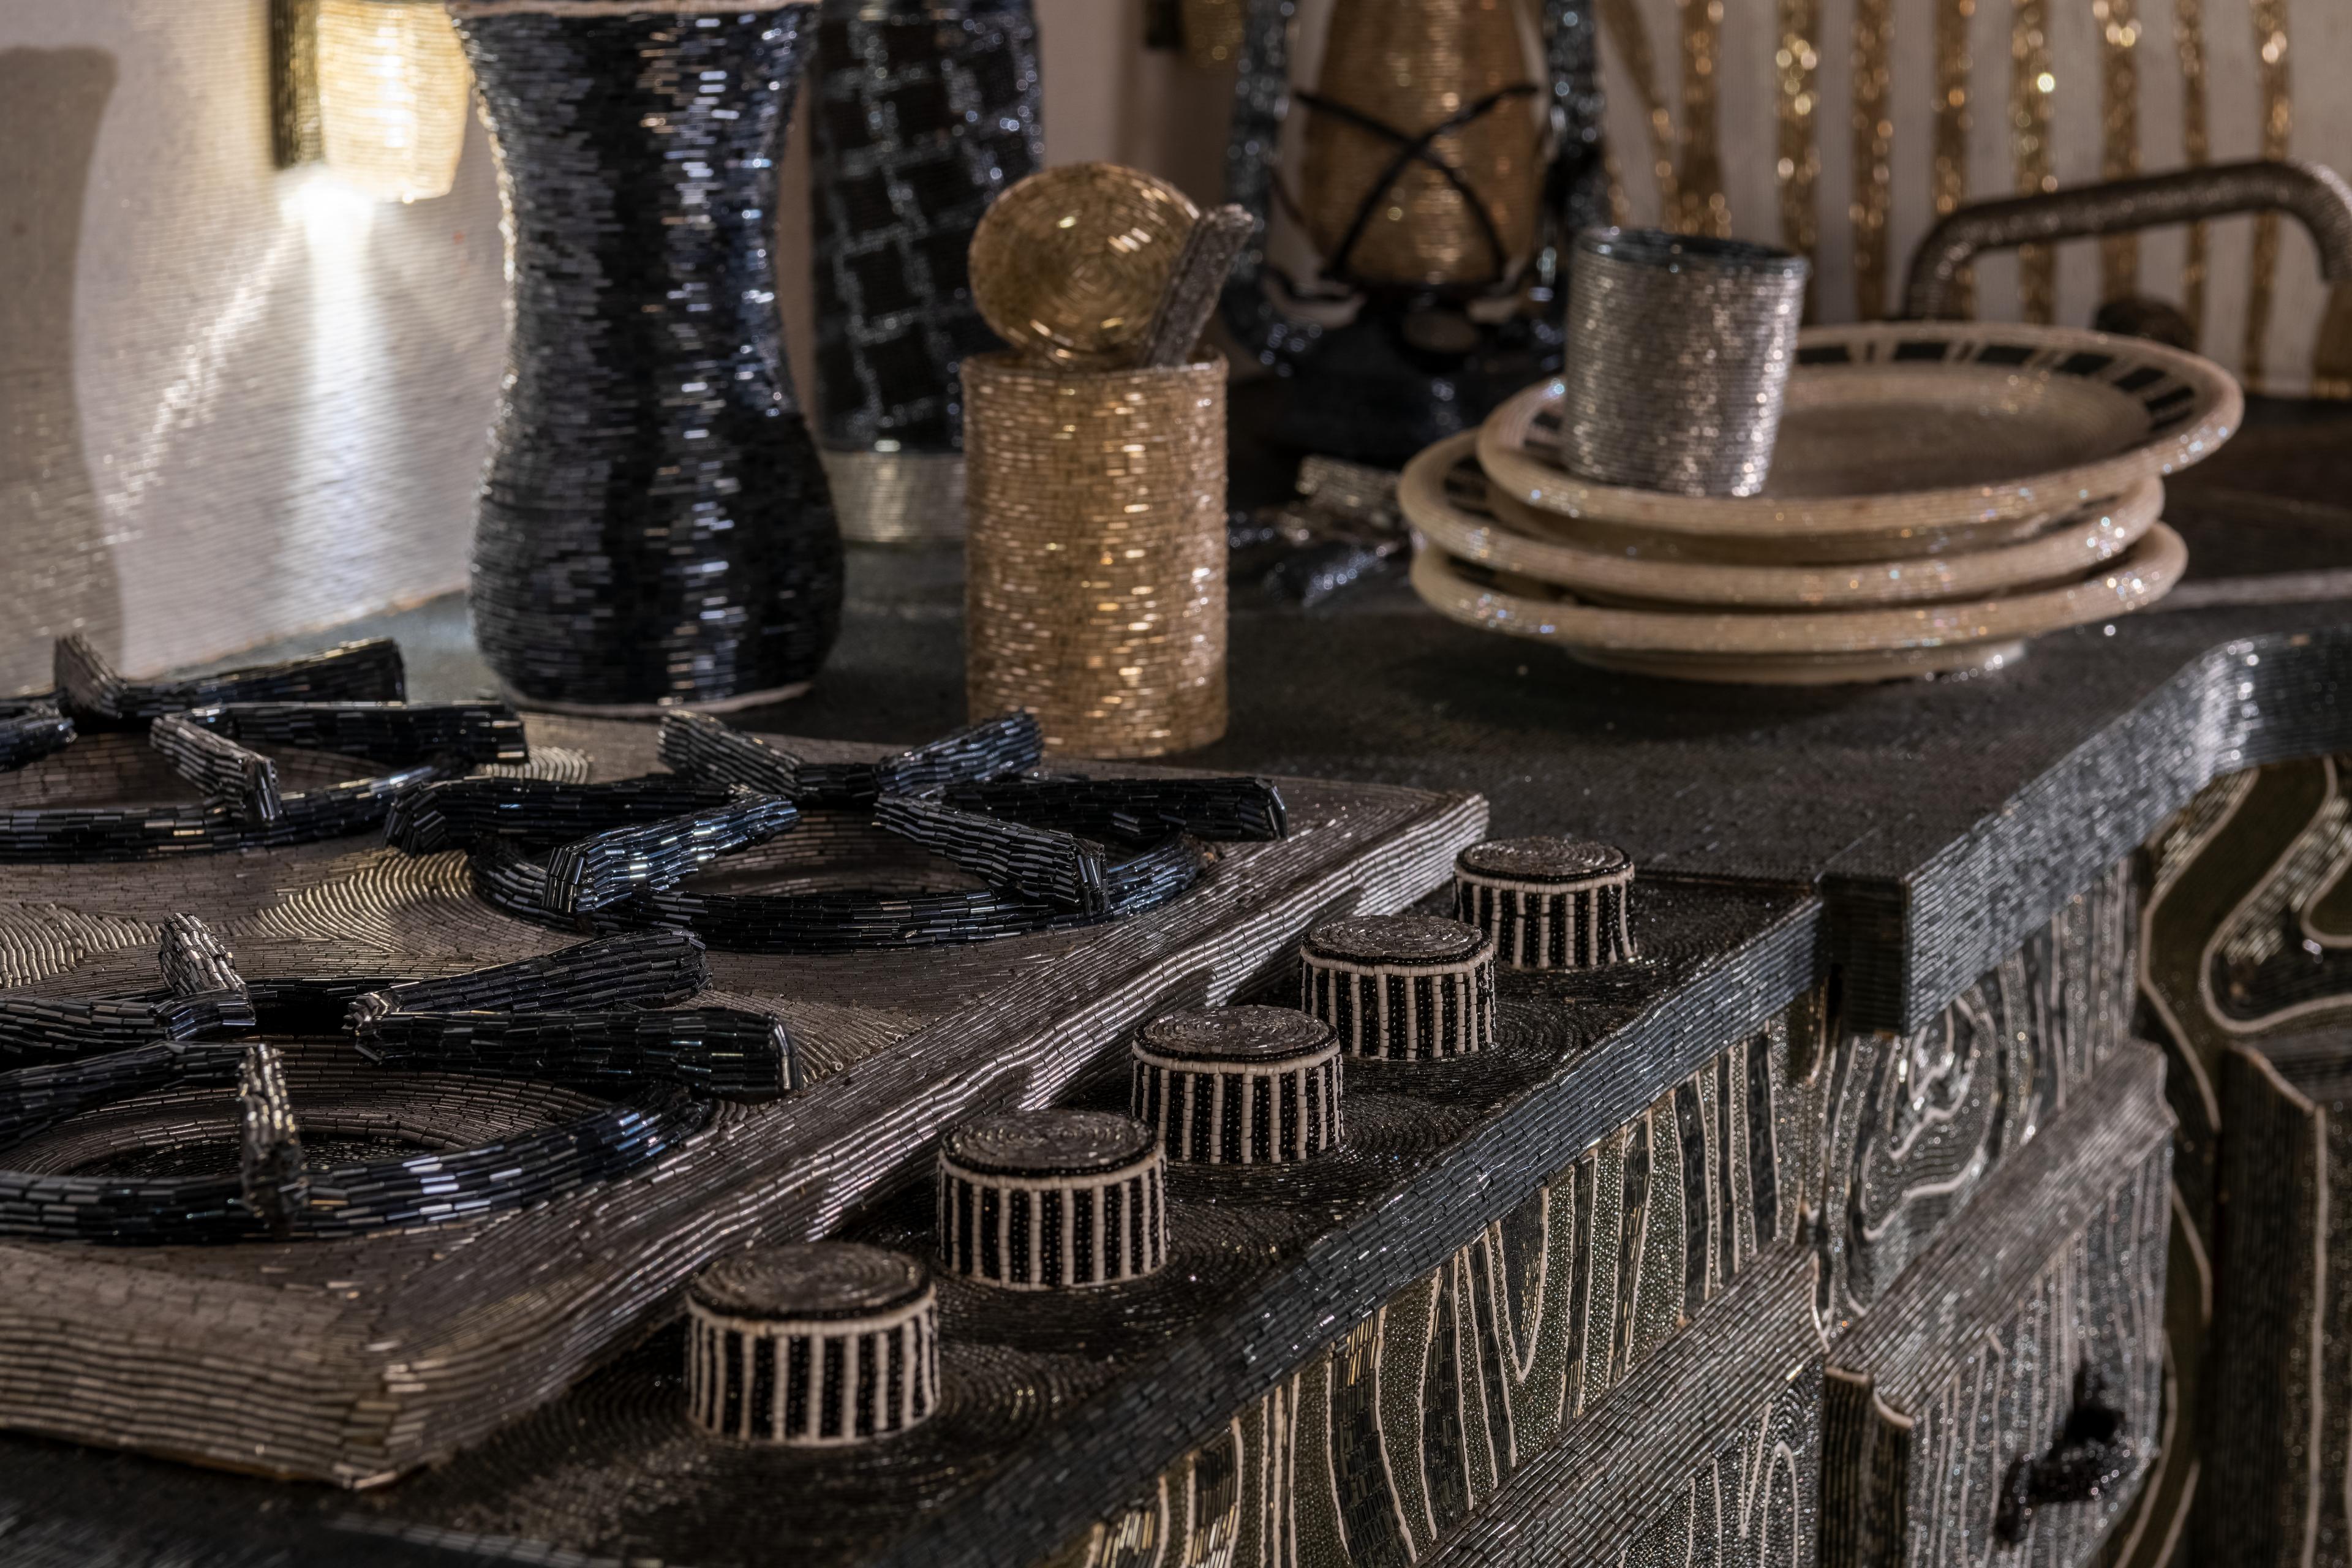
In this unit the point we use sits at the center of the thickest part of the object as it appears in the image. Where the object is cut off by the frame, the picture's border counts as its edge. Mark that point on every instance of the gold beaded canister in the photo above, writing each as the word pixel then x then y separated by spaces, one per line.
pixel 1095 562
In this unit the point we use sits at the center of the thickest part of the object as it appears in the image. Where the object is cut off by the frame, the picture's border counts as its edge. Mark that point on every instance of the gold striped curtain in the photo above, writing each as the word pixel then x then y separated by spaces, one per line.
pixel 1844 128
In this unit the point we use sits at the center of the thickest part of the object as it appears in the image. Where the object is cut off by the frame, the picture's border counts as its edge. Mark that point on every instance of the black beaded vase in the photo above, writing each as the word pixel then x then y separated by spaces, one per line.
pixel 925 111
pixel 655 529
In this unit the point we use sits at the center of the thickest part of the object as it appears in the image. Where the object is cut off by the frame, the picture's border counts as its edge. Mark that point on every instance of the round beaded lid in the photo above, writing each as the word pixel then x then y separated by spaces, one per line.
pixel 1544 859
pixel 821 1279
pixel 1396 939
pixel 1048 1143
pixel 1239 1036
pixel 1069 265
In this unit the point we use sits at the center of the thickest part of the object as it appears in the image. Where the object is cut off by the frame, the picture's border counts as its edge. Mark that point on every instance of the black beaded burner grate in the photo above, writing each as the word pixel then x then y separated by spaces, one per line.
pixel 805 841
pixel 550 1072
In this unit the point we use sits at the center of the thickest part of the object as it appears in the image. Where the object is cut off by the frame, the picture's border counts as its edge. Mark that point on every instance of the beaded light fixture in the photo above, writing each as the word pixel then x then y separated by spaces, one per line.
pixel 377 89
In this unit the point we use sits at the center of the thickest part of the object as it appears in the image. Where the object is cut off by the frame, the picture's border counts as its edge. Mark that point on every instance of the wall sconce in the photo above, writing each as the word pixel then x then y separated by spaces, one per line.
pixel 375 90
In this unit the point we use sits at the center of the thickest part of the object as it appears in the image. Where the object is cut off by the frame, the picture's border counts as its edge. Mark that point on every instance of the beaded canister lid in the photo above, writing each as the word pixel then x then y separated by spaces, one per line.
pixel 1069 265
pixel 822 1344
pixel 1238 1086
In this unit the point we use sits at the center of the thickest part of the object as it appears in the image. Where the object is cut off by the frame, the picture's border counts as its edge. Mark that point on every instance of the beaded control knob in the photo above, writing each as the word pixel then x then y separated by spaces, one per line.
pixel 1402 987
pixel 1238 1086
pixel 1549 903
pixel 817 1345
pixel 1048 1200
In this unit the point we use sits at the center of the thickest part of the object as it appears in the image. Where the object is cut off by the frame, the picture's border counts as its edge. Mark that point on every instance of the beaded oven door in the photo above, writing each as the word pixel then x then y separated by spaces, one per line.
pixel 2244 931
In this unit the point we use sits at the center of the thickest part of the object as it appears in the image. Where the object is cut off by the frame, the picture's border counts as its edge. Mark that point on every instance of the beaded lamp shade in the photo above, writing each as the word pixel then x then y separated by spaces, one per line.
pixel 1407 273
pixel 1424 163
pixel 393 93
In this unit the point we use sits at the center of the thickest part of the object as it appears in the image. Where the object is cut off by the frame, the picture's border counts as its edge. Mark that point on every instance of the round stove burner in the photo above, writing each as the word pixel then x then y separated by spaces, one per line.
pixel 243 1139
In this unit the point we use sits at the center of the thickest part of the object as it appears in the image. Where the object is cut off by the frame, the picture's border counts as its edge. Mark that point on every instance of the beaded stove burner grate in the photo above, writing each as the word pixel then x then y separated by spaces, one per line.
pixel 1004 930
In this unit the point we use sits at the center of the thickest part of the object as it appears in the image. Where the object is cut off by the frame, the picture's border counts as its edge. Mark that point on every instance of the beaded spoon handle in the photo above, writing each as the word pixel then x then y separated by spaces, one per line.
pixel 1208 253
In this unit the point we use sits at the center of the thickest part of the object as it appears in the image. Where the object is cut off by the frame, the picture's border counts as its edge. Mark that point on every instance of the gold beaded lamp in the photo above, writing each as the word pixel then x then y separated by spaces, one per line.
pixel 1417 168
pixel 377 89
pixel 1423 155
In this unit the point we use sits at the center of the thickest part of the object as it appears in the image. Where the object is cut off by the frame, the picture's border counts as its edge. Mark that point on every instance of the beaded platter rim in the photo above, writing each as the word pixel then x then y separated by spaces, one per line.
pixel 1439 486
pixel 1502 601
pixel 2193 406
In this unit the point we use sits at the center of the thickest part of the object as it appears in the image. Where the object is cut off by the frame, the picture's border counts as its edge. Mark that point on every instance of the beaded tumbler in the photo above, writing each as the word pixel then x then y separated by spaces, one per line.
pixel 1095 558
pixel 654 529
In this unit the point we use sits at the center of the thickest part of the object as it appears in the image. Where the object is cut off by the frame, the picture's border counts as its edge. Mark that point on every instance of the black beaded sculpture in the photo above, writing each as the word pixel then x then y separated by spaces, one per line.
pixel 817 1345
pixel 1402 987
pixel 1238 1086
pixel 1053 1200
pixel 1048 853
pixel 1549 903
pixel 925 111
pixel 654 528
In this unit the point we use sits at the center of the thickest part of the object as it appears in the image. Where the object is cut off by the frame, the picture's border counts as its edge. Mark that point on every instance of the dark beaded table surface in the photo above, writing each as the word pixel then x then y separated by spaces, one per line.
pixel 1940 819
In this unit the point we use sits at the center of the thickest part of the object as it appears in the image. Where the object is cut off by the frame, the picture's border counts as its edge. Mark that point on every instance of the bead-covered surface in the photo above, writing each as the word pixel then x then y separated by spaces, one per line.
pixel 934 1035
pixel 1105 1368
pixel 654 525
pixel 923 114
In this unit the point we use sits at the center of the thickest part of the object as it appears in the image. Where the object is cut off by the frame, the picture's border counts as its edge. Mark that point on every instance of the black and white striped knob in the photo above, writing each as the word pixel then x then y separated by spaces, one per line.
pixel 1238 1086
pixel 1049 1200
pixel 1402 987
pixel 817 1345
pixel 1549 903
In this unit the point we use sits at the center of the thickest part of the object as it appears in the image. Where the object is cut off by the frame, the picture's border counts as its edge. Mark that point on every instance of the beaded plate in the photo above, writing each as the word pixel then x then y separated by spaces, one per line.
pixel 1978 424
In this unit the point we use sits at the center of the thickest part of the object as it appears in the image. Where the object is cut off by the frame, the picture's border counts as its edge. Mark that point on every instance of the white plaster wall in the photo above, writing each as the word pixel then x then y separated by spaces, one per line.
pixel 238 402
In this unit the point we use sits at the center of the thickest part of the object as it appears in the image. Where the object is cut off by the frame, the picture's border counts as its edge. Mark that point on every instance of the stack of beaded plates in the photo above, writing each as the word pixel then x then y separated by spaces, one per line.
pixel 1941 492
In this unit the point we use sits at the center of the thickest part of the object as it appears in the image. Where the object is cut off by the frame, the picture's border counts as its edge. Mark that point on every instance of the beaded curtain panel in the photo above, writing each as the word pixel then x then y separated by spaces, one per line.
pixel 410 1343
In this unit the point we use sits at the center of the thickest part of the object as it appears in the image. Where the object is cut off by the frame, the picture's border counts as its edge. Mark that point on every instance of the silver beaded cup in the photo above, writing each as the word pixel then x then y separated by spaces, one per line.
pixel 1678 355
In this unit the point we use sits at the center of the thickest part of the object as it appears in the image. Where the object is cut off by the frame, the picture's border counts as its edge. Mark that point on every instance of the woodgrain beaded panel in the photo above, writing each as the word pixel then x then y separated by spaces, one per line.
pixel 819 1345
pixel 1601 1375
pixel 1402 987
pixel 1549 903
pixel 1051 1200
pixel 1238 1086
